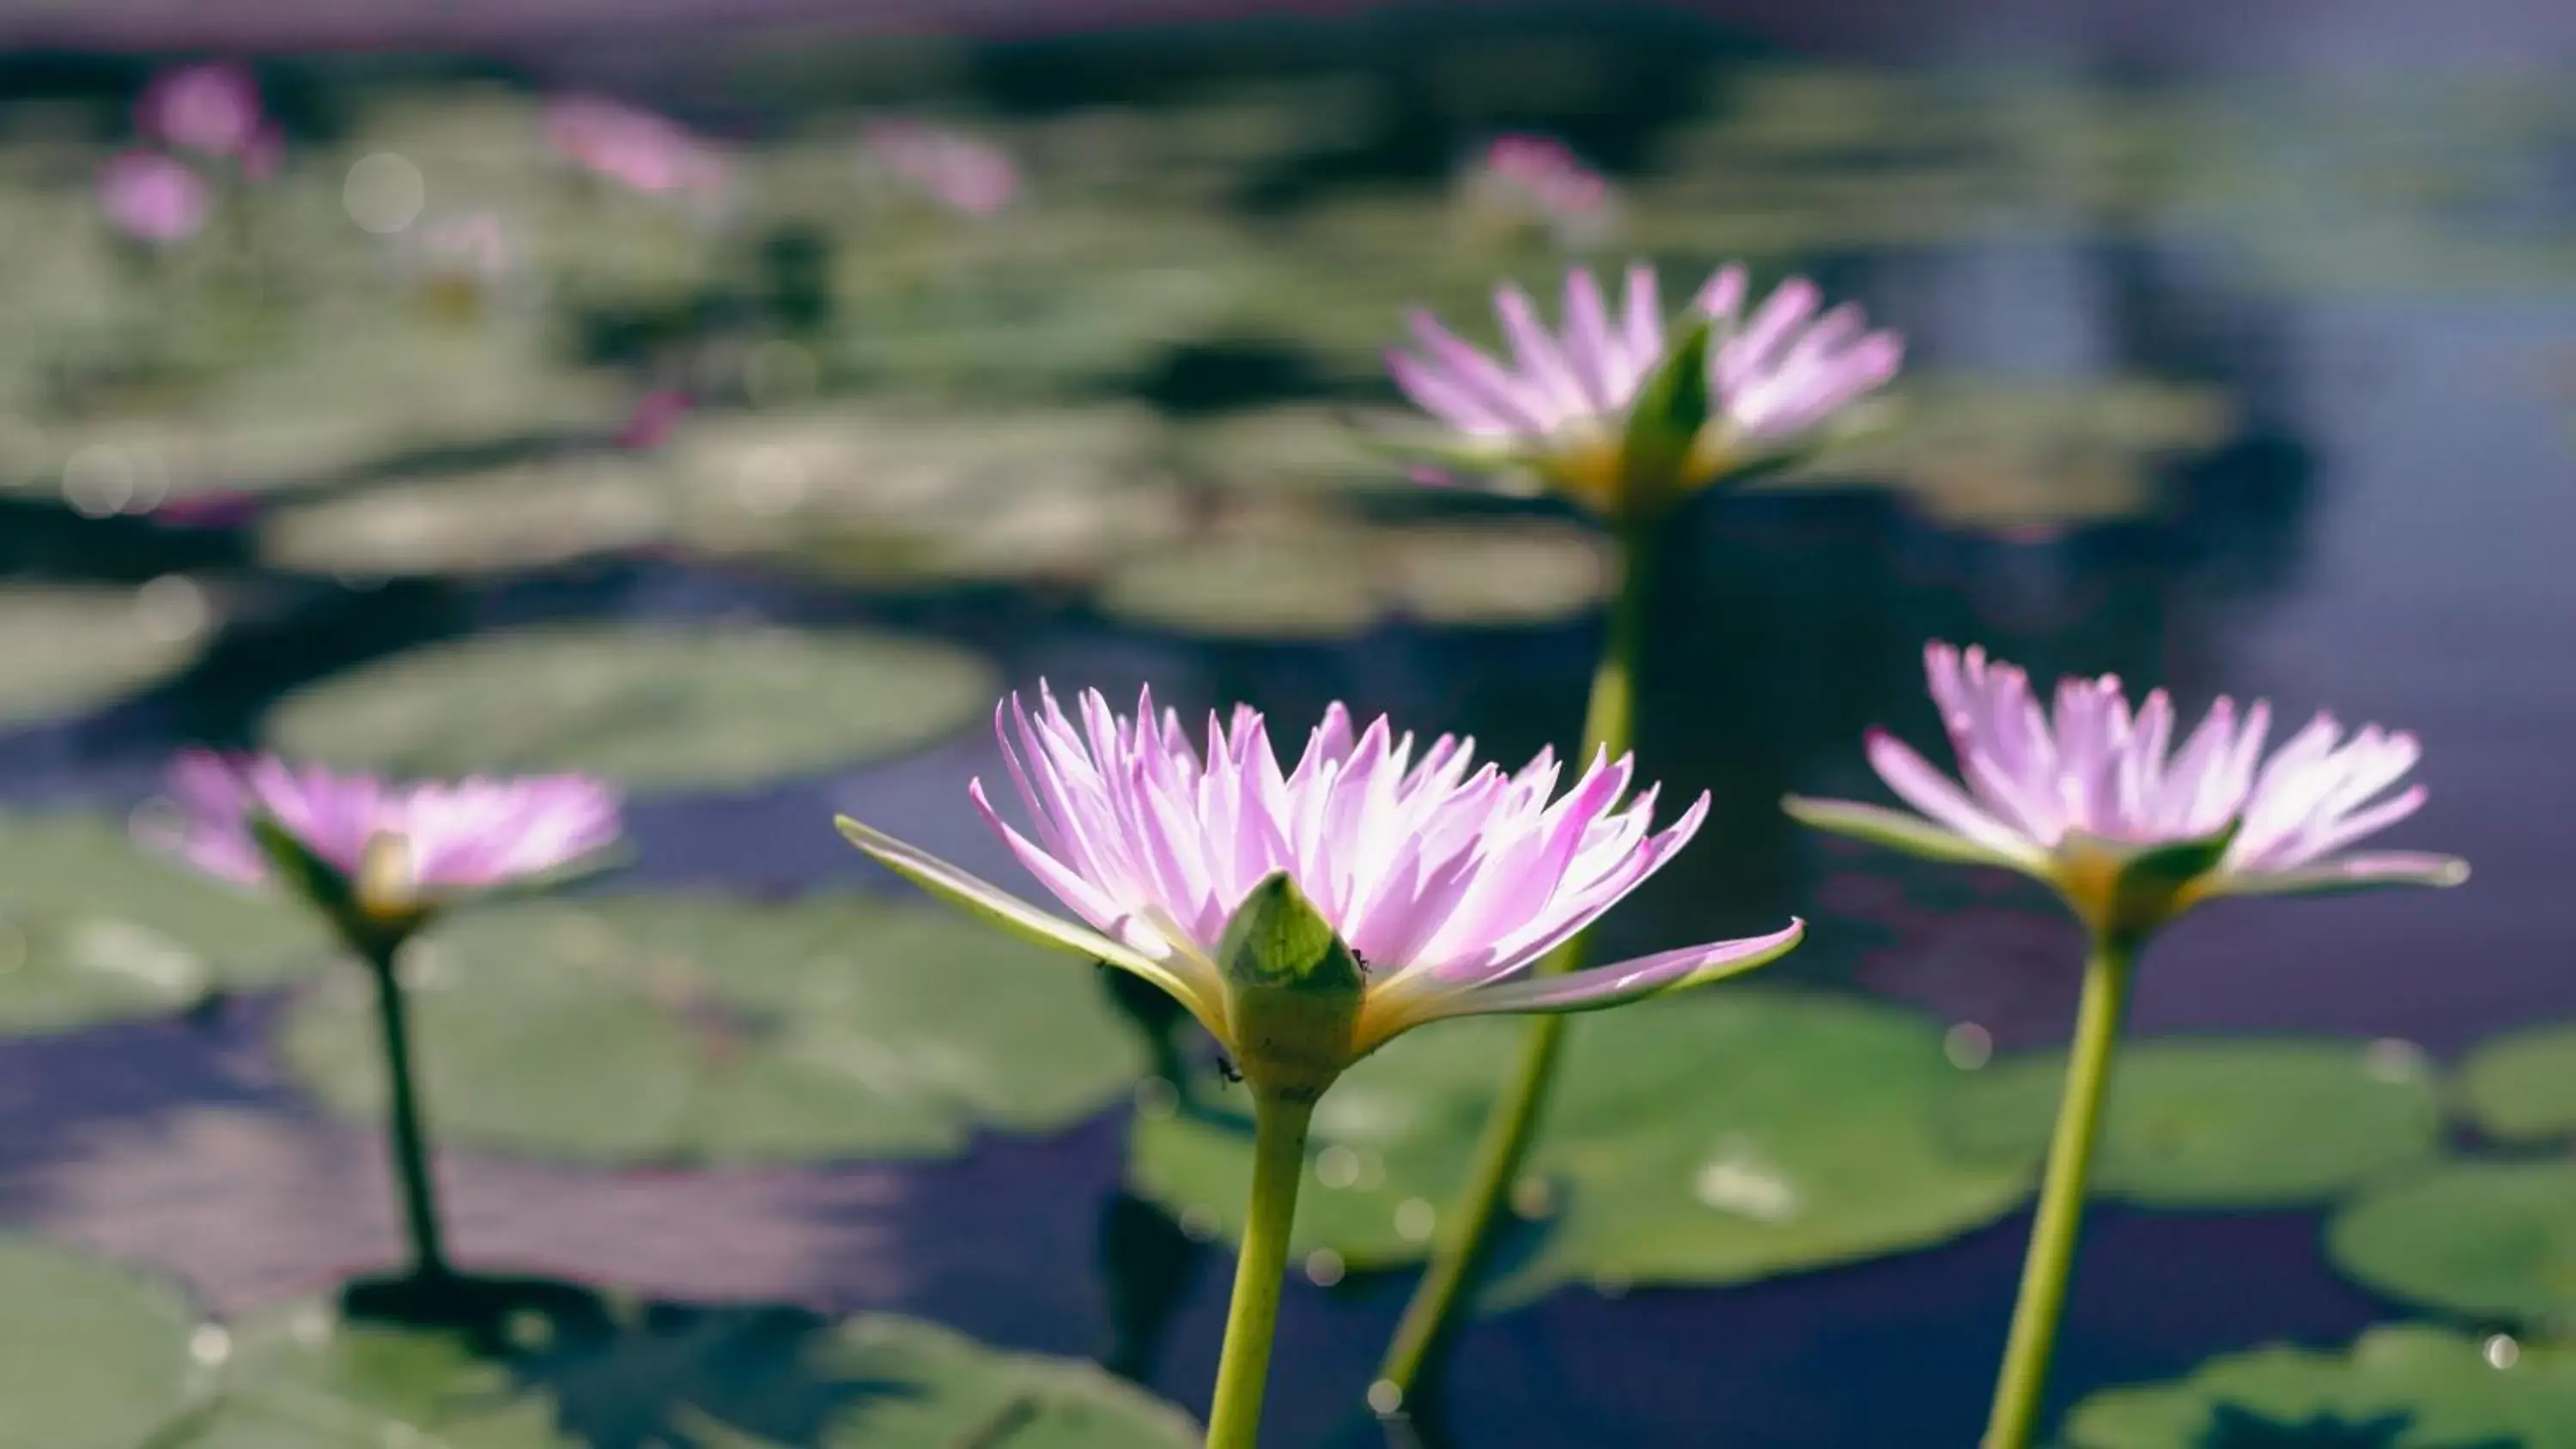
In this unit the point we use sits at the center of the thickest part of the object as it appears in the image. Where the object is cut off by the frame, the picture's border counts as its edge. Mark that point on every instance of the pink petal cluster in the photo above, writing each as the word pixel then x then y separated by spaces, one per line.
pixel 634 148
pixel 2035 776
pixel 1772 376
pixel 474 247
pixel 470 835
pixel 971 177
pixel 1448 878
pixel 152 197
pixel 212 107
pixel 1541 176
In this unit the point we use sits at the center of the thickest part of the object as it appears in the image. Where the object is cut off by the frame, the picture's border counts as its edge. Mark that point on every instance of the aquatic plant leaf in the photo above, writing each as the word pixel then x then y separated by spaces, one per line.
pixel 2238 1123
pixel 96 928
pixel 696 1029
pixel 2399 1386
pixel 2521 1087
pixel 2488 1239
pixel 68 649
pixel 93 1355
pixel 690 708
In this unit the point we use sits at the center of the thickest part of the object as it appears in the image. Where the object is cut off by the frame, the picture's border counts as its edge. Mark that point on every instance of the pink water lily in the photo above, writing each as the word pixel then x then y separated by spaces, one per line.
pixel 1448 880
pixel 439 839
pixel 2069 796
pixel 965 175
pixel 1529 180
pixel 153 198
pixel 634 148
pixel 1560 407
pixel 211 107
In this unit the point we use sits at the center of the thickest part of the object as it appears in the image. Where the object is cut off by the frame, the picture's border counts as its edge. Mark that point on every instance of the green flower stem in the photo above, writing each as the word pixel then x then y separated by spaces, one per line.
pixel 1243 1370
pixel 410 1143
pixel 1431 1317
pixel 2061 1200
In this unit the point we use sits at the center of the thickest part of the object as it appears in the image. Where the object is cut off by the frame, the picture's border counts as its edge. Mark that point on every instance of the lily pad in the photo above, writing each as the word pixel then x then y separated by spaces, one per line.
pixel 92 1355
pixel 1332 580
pixel 94 928
pixel 518 518
pixel 2490 1239
pixel 2400 1386
pixel 691 1030
pixel 66 650
pixel 97 1357
pixel 2521 1087
pixel 2221 1124
pixel 1714 1140
pixel 1749 1132
pixel 697 707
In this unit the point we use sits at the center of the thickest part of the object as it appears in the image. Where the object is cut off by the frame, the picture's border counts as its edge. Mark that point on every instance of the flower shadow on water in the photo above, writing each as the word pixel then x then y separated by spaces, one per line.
pixel 2233 1428
pixel 630 1375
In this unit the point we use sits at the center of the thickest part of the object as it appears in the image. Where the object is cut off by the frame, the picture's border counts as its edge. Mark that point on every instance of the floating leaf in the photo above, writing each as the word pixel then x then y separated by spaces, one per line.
pixel 66 650
pixel 94 928
pixel 1323 579
pixel 92 1355
pixel 2405 1386
pixel 2521 1087
pixel 702 707
pixel 1708 1140
pixel 516 518
pixel 2492 1239
pixel 702 1030
pixel 2220 1124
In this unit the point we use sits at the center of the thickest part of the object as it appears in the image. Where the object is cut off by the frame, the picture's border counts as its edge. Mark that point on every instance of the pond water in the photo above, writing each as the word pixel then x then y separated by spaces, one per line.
pixel 2370 298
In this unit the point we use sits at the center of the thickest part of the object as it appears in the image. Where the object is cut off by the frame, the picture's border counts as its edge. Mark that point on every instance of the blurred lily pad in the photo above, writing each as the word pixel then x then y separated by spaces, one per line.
pixel 2220 1124
pixel 688 1030
pixel 1983 453
pixel 2521 1087
pixel 2489 1239
pixel 68 649
pixel 97 1357
pixel 92 1355
pixel 2400 1386
pixel 1715 1140
pixel 518 518
pixel 94 928
pixel 1749 1132
pixel 695 707
pixel 1324 579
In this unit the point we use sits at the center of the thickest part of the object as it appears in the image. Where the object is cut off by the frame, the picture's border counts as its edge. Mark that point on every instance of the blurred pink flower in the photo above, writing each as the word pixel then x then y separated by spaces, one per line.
pixel 211 106
pixel 634 148
pixel 153 197
pixel 656 413
pixel 959 172
pixel 437 840
pixel 1529 179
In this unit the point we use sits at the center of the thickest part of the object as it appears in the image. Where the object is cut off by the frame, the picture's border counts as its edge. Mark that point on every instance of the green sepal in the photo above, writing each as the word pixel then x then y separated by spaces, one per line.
pixel 308 875
pixel 1292 988
pixel 2127 893
pixel 1672 408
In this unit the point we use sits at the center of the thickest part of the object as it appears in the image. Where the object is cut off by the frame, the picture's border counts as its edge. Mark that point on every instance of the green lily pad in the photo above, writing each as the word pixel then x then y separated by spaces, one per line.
pixel 1749 1132
pixel 518 518
pixel 92 1355
pixel 95 928
pixel 2220 1124
pixel 66 650
pixel 698 707
pixel 701 1030
pixel 1325 580
pixel 1713 1140
pixel 2400 1386
pixel 2521 1087
pixel 2491 1239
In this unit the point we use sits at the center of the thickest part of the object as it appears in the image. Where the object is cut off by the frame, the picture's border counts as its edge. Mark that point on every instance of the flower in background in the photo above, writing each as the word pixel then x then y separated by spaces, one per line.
pixel 1576 409
pixel 656 413
pixel 634 148
pixel 1527 181
pixel 1445 882
pixel 970 177
pixel 459 262
pixel 387 853
pixel 2096 801
pixel 210 107
pixel 152 197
